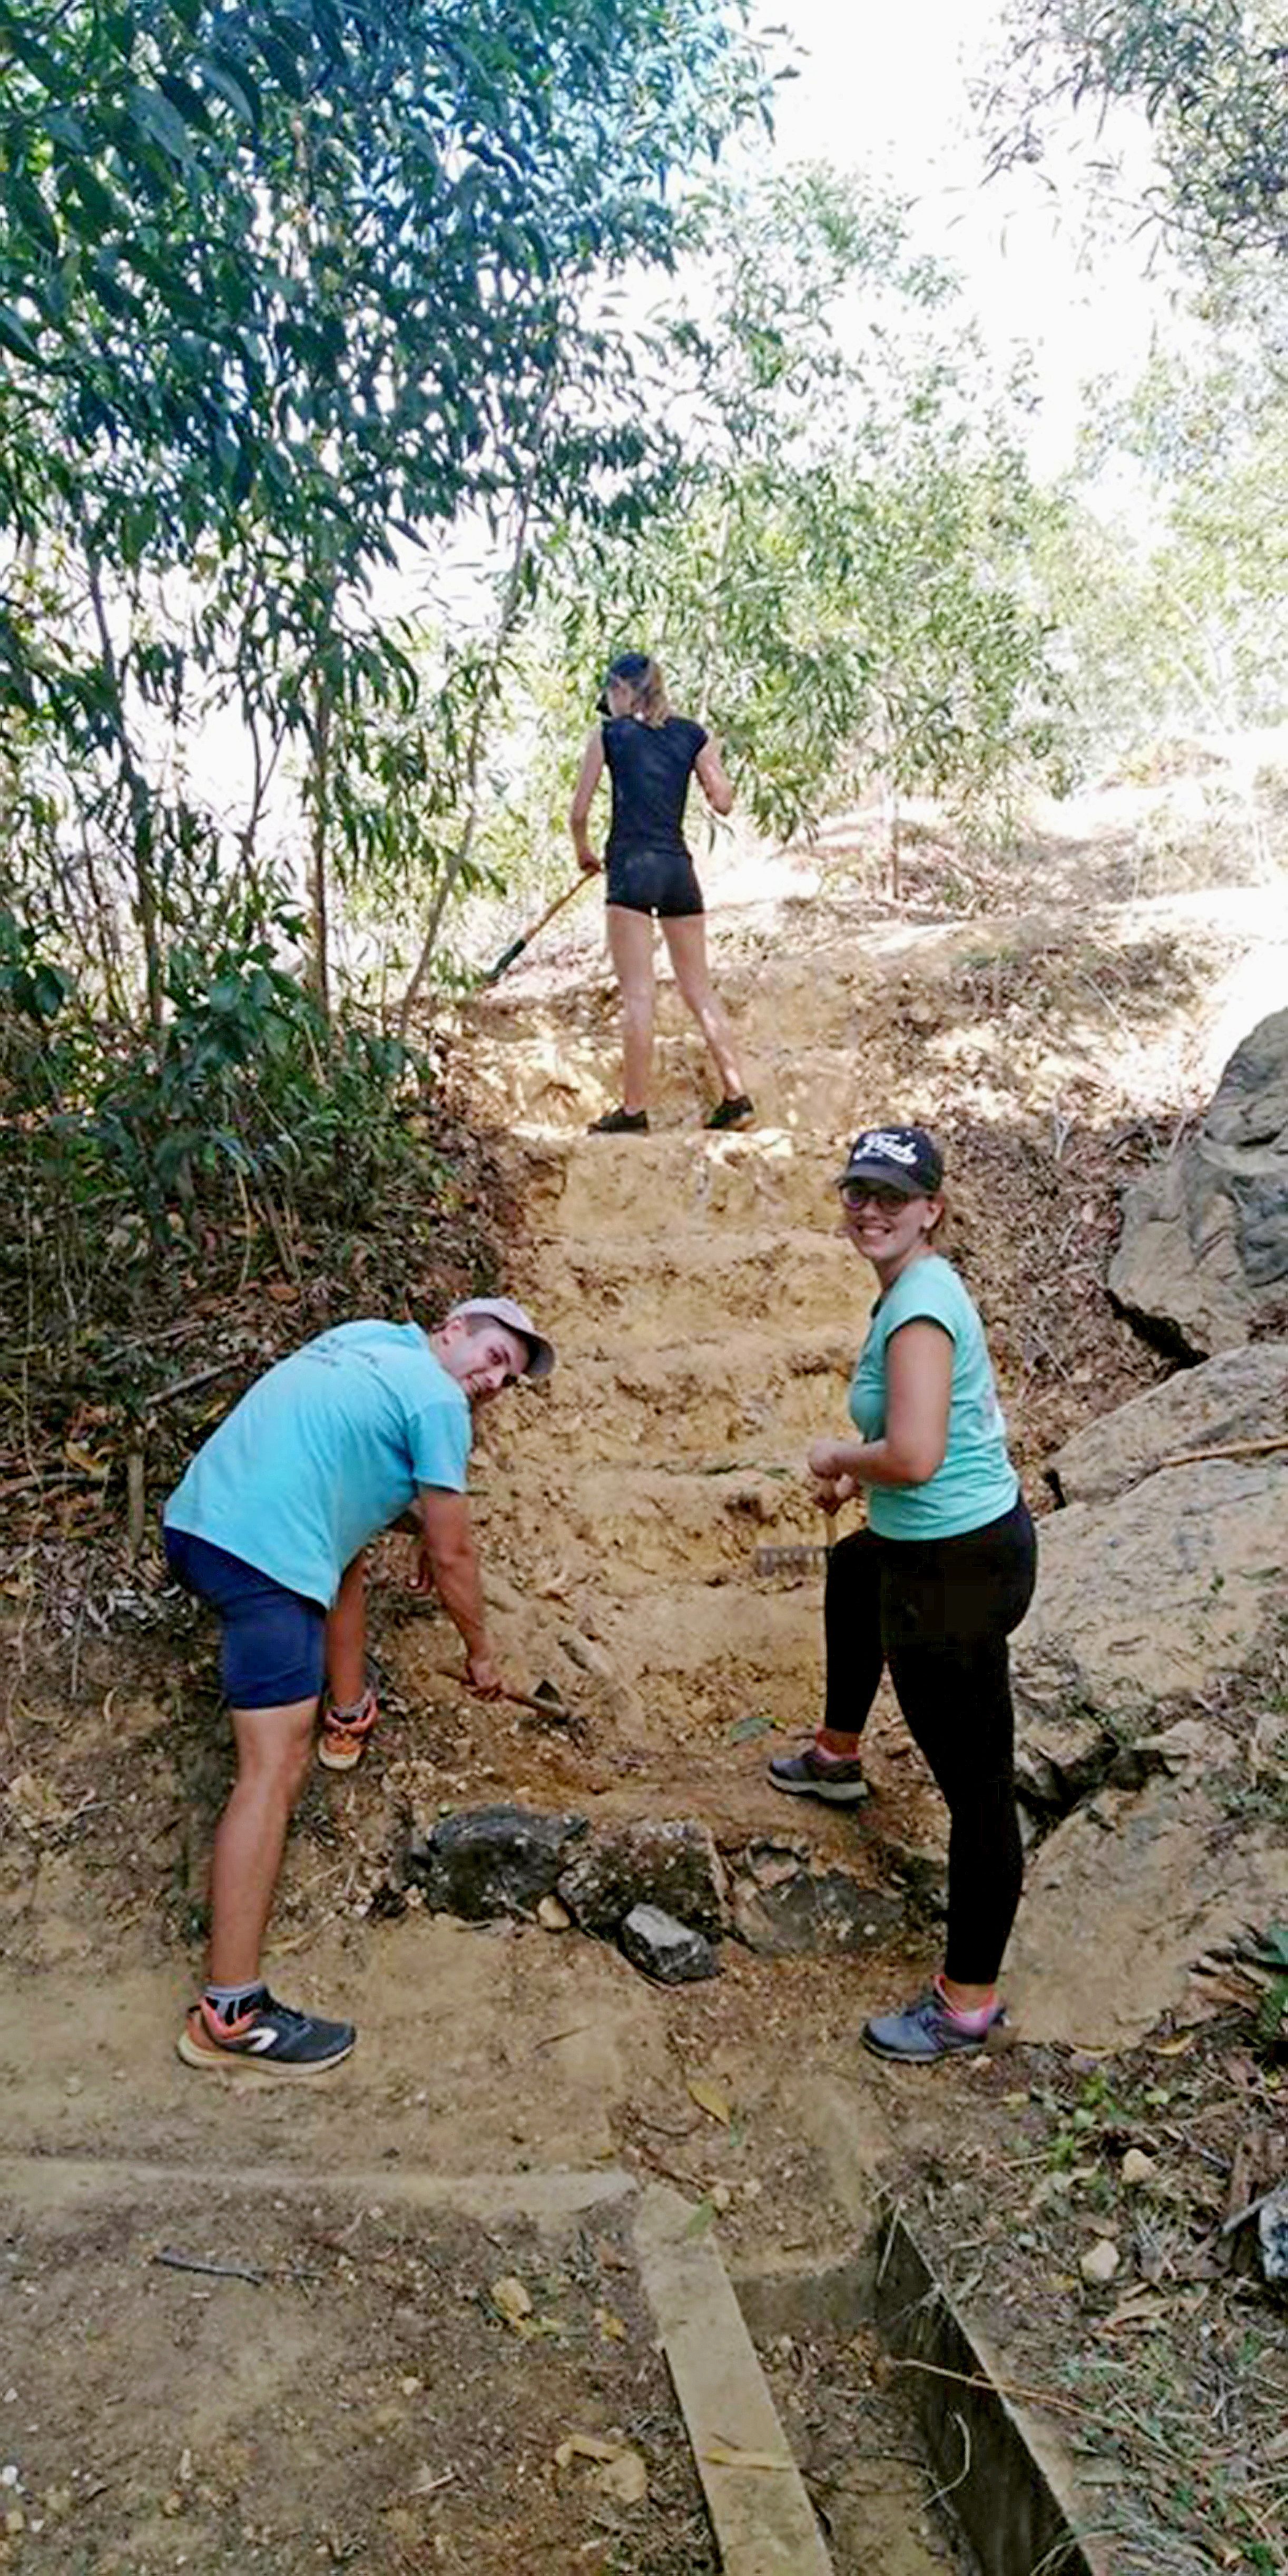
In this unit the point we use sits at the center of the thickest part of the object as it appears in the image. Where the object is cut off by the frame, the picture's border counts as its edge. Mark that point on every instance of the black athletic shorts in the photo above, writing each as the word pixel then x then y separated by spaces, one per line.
pixel 659 881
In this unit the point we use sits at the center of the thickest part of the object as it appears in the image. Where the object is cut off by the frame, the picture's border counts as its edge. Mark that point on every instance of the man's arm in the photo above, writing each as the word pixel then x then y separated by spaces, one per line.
pixel 448 1553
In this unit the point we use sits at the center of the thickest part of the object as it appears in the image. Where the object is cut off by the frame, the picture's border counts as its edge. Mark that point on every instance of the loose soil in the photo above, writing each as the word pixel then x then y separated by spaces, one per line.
pixel 387 2390
pixel 707 1318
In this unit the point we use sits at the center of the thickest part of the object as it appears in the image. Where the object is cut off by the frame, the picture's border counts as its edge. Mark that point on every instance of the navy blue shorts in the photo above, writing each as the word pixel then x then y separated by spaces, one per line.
pixel 273 1642
pixel 660 881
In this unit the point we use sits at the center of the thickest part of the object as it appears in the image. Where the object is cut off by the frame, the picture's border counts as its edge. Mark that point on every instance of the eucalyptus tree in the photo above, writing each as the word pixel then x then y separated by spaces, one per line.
pixel 839 579
pixel 286 291
pixel 1209 78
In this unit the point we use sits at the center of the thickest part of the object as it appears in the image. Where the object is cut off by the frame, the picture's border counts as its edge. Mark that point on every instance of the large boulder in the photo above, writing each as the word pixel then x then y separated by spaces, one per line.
pixel 1127 1895
pixel 1240 1396
pixel 491 1861
pixel 1149 1707
pixel 1159 1583
pixel 1203 1261
pixel 669 1862
pixel 1144 1606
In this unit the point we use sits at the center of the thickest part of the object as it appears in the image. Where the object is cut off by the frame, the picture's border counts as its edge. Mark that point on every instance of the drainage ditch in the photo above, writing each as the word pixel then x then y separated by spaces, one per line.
pixel 914 2461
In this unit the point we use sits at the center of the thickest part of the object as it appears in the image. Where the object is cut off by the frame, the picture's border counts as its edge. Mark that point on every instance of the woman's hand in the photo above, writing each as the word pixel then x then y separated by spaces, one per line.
pixel 829 1460
pixel 589 865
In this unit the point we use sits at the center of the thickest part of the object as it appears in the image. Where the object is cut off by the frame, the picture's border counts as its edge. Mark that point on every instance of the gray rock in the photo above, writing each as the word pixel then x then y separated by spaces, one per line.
pixel 672 1863
pixel 1143 1606
pixel 1122 1900
pixel 1272 2229
pixel 1203 1261
pixel 1241 1395
pixel 669 1952
pixel 491 1861
pixel 783 1908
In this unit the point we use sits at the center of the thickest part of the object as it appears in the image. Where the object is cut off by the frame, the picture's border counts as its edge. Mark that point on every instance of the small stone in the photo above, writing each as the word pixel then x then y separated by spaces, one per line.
pixel 1137 2167
pixel 1272 2229
pixel 1101 2261
pixel 720 2196
pixel 665 1950
pixel 553 1916
pixel 668 1862
pixel 74 2085
pixel 492 1861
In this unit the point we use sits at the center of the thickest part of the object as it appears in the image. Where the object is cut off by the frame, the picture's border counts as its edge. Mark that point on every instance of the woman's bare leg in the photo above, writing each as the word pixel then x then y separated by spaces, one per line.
pixel 630 945
pixel 686 938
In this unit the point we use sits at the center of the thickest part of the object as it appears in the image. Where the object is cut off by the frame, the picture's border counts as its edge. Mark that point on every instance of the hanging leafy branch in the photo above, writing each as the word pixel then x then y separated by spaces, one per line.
pixel 1211 80
pixel 281 291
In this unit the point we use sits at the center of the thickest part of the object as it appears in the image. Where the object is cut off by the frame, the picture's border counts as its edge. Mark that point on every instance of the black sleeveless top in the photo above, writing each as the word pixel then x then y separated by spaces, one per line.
pixel 650 767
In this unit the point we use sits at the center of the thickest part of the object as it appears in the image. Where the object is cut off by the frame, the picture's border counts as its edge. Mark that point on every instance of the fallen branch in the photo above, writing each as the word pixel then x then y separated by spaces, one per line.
pixel 1235 1449
pixel 994 2387
pixel 216 2271
pixel 197 1377
pixel 1251 2209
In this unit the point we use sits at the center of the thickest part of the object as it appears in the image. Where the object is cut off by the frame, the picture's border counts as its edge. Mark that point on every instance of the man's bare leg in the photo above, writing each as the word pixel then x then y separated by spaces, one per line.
pixel 237 2022
pixel 346 1636
pixel 273 1748
pixel 349 1710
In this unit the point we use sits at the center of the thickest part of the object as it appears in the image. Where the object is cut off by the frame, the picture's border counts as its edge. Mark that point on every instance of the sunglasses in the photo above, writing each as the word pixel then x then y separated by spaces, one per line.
pixel 859 1194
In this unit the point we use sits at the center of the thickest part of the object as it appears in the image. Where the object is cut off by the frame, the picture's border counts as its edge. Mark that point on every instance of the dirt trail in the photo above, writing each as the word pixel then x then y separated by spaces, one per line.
pixel 706 1317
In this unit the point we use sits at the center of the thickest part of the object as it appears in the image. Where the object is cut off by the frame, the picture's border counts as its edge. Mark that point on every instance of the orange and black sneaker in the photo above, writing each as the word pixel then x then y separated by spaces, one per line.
pixel 343 1739
pixel 264 2035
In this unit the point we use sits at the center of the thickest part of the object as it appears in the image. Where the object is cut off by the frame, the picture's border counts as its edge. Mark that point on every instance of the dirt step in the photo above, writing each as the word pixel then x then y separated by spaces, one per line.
pixel 668 1523
pixel 709 1405
pixel 730 1641
pixel 644 1186
pixel 627 1293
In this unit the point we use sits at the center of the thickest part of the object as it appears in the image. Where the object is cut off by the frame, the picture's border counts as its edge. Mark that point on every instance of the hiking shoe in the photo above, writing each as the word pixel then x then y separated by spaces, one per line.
pixel 267 2036
pixel 343 1739
pixel 732 1113
pixel 811 1775
pixel 620 1122
pixel 928 2030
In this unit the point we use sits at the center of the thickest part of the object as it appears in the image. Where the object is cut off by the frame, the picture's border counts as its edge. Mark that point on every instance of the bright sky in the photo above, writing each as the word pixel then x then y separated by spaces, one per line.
pixel 885 90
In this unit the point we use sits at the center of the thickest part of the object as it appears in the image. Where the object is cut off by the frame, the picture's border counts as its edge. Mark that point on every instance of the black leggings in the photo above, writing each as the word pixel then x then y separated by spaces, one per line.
pixel 938 1612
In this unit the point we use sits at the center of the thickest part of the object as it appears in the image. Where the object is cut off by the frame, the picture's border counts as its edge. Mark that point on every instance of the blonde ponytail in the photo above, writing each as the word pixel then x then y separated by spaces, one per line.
pixel 643 677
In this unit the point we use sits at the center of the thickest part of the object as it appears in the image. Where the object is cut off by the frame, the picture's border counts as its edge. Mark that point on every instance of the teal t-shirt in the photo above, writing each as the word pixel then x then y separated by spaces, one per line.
pixel 324 1451
pixel 975 1483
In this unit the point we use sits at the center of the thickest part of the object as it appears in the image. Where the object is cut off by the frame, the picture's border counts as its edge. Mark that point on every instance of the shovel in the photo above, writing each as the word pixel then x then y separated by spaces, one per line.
pixel 516 948
pixel 545 1700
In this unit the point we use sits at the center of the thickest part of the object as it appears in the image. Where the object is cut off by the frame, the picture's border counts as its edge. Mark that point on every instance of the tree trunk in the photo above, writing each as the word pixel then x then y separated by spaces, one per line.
pixel 507 615
pixel 319 967
pixel 142 843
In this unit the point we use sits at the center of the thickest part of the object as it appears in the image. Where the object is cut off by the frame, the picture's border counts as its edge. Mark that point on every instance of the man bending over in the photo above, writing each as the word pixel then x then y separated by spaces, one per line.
pixel 367 1425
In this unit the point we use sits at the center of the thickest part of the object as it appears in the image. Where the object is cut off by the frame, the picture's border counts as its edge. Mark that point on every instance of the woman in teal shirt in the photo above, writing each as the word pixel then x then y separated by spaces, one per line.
pixel 933 1586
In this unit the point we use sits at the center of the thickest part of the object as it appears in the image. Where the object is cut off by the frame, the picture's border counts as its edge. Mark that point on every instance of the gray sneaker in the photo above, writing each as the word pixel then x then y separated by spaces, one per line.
pixel 808 1775
pixel 926 2031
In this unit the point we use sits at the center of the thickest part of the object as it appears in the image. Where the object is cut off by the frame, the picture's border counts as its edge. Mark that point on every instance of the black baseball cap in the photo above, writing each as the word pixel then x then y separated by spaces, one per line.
pixel 631 667
pixel 899 1158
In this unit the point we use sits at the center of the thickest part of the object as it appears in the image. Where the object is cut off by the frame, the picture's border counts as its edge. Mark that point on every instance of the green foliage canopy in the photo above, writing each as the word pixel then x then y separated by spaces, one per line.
pixel 281 287
pixel 1212 80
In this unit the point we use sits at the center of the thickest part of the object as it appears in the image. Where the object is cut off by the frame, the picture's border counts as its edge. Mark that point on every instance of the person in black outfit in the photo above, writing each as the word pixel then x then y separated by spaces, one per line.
pixel 650 755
